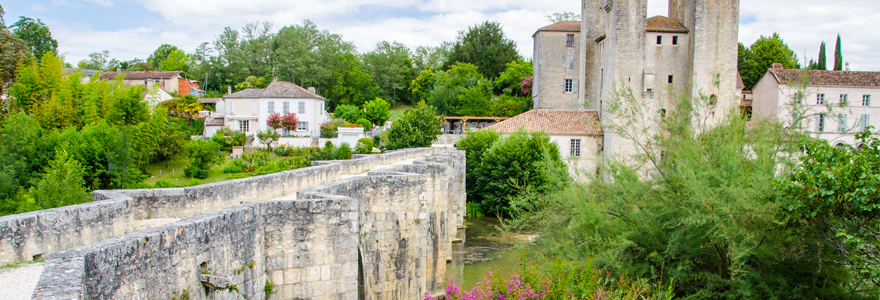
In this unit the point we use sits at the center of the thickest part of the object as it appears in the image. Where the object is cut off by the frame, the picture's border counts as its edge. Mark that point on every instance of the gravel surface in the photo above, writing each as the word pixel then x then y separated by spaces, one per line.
pixel 20 282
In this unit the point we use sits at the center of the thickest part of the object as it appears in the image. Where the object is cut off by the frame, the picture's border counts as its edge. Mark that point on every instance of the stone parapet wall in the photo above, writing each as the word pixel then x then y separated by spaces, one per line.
pixel 24 237
pixel 398 221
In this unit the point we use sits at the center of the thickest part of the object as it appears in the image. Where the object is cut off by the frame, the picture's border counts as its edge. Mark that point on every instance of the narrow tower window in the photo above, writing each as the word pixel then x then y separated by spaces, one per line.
pixel 659 39
pixel 670 78
pixel 675 40
pixel 569 40
pixel 569 62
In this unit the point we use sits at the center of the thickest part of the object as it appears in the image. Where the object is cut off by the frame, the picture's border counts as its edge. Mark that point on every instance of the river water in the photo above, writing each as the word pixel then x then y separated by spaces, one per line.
pixel 481 247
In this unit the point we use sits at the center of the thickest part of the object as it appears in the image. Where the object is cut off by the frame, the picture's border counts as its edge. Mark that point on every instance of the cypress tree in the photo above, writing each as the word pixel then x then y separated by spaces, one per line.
pixel 838 57
pixel 822 65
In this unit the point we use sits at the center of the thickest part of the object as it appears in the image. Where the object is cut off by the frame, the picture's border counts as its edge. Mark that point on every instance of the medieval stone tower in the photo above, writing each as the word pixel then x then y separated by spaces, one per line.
pixel 692 52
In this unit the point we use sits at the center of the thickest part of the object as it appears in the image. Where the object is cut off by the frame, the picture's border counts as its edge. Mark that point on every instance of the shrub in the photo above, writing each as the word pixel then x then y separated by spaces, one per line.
pixel 343 152
pixel 418 127
pixel 268 137
pixel 347 112
pixel 232 169
pixel 203 155
pixel 163 184
pixel 364 123
pixel 364 146
pixel 475 143
pixel 254 159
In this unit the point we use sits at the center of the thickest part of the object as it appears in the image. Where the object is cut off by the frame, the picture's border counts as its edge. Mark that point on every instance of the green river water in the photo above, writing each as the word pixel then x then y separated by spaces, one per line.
pixel 482 248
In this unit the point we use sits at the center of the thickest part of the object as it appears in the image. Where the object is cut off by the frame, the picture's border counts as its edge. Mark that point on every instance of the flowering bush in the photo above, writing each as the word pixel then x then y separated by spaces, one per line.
pixel 526 85
pixel 274 120
pixel 288 121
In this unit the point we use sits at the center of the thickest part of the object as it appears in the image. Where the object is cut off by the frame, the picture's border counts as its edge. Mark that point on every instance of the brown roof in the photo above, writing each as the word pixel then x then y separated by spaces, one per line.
pixel 739 81
pixel 554 122
pixel 141 74
pixel 277 89
pixel 210 100
pixel 569 26
pixel 215 122
pixel 823 77
pixel 664 24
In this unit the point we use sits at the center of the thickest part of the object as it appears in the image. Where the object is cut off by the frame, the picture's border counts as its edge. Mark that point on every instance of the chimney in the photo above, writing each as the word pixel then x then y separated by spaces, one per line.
pixel 228 89
pixel 777 66
pixel 312 89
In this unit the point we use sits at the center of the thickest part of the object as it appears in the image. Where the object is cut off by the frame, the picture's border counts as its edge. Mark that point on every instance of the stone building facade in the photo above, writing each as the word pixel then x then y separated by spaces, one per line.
pixel 555 74
pixel 835 105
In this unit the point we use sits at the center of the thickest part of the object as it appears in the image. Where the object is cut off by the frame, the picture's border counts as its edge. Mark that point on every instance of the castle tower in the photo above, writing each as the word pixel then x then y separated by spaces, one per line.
pixel 712 63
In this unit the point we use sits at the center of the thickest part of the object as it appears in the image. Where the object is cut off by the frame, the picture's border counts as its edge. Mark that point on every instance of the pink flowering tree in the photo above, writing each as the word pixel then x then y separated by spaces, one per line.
pixel 274 121
pixel 288 121
pixel 526 85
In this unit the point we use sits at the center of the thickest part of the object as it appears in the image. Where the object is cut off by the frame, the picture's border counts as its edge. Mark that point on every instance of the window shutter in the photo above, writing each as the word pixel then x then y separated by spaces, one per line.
pixel 818 122
pixel 841 124
pixel 271 107
pixel 574 85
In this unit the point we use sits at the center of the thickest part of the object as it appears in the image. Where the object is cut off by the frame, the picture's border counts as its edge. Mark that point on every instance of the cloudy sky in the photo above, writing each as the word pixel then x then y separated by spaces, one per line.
pixel 135 28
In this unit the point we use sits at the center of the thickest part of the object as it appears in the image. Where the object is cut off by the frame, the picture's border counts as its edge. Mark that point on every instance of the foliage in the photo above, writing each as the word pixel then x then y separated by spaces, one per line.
pixel 343 152
pixel 268 137
pixel 563 17
pixel 177 61
pixel 377 111
pixel 161 54
pixel 510 82
pixel 422 85
pixel 364 123
pixel 461 78
pixel 96 61
pixel 348 112
pixel 475 144
pixel 310 56
pixel 822 58
pixel 13 51
pixel 697 209
pixel 755 60
pixel 517 164
pixel 252 82
pixel 225 138
pixel 352 85
pixel 391 68
pixel 838 57
pixel 364 146
pixel 330 128
pixel 203 155
pixel 509 106
pixel 473 210
pixel 22 155
pixel 526 85
pixel 36 35
pixel 61 185
pixel 485 46
pixel 427 57
pixel 419 127
pixel 835 195
pixel 252 160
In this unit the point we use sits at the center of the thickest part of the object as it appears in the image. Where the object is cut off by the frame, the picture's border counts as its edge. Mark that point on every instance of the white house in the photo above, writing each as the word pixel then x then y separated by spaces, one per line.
pixel 248 110
pixel 578 133
pixel 835 105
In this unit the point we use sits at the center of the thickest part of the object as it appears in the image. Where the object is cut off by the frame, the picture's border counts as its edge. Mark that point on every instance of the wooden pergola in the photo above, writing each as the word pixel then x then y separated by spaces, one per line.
pixel 464 119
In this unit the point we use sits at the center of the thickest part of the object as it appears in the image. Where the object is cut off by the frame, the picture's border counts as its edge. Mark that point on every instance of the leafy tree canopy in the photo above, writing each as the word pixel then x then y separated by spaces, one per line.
pixel 377 111
pixel 418 127
pixel 485 46
pixel 161 53
pixel 13 51
pixel 349 113
pixel 755 60
pixel 351 84
pixel 510 81
pixel 392 70
pixel 563 16
pixel 36 35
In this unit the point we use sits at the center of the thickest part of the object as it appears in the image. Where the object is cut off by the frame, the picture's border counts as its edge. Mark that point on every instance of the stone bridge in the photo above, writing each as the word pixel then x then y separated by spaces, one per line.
pixel 364 228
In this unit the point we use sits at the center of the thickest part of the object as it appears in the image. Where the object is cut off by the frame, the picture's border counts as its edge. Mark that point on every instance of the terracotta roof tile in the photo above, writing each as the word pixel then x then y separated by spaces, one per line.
pixel 141 74
pixel 823 77
pixel 554 122
pixel 739 81
pixel 277 89
pixel 215 122
pixel 664 24
pixel 566 26
pixel 210 100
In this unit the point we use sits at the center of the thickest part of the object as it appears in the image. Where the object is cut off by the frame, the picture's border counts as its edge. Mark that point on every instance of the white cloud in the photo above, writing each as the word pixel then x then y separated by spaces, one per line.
pixel 105 3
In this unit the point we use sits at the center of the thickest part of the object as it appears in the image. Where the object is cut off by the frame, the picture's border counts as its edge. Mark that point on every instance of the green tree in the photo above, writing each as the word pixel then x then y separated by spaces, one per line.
pixel 23 153
pixel 517 164
pixel 160 54
pixel 474 101
pixel 838 56
pixel 351 84
pixel 96 61
pixel 62 184
pixel 761 55
pixel 835 195
pixel 821 65
pixel 177 60
pixel 422 86
pixel 449 86
pixel 308 56
pixel 377 111
pixel 392 70
pixel 349 113
pixel 127 107
pixel 268 138
pixel 475 144
pixel 36 35
pixel 13 52
pixel 427 57
pixel 418 127
pixel 485 46
pixel 510 81
pixel 252 82
pixel 202 156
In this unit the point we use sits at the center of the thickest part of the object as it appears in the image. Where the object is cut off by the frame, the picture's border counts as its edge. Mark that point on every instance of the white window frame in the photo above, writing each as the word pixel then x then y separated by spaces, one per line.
pixel 864 122
pixel 820 99
pixel 569 40
pixel 866 100
pixel 569 85
pixel 820 123
pixel 841 123
pixel 575 147
pixel 302 126
pixel 844 98
pixel 244 125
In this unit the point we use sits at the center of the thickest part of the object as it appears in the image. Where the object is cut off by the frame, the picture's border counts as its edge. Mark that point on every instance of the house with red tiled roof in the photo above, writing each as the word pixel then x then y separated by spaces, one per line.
pixel 577 133
pixel 834 105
